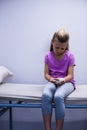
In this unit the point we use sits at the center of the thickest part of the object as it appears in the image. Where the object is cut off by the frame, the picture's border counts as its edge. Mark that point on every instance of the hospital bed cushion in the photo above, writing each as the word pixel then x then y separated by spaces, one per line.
pixel 33 92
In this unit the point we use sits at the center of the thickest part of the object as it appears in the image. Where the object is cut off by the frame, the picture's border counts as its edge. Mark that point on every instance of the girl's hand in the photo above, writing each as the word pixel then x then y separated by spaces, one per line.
pixel 53 80
pixel 61 81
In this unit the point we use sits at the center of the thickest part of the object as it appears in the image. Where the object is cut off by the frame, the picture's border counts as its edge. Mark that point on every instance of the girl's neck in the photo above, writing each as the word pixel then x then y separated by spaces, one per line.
pixel 58 57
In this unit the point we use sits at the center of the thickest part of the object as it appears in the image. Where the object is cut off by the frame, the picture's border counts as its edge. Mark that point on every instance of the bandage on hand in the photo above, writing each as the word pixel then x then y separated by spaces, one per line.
pixel 60 81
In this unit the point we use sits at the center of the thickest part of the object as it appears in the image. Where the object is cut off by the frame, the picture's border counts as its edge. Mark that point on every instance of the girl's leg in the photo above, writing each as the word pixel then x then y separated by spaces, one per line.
pixel 47 98
pixel 47 121
pixel 59 124
pixel 60 94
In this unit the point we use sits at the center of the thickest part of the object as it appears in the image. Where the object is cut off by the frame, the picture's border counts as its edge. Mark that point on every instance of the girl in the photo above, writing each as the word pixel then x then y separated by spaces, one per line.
pixel 59 72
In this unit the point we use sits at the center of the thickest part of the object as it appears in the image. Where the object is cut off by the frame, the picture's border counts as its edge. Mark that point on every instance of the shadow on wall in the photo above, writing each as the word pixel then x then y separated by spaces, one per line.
pixel 74 125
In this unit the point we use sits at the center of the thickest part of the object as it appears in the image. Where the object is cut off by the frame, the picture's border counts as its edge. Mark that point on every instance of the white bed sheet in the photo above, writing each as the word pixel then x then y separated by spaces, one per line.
pixel 33 92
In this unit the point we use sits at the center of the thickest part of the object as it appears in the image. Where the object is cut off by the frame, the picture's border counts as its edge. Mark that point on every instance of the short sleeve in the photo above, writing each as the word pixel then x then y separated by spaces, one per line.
pixel 72 60
pixel 46 59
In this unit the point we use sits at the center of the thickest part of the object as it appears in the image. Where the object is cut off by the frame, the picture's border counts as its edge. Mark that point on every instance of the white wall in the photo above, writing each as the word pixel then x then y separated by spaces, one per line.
pixel 26 29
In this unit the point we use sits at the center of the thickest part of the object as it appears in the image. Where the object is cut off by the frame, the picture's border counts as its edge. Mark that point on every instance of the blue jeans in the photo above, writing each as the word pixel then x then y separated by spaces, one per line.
pixel 51 93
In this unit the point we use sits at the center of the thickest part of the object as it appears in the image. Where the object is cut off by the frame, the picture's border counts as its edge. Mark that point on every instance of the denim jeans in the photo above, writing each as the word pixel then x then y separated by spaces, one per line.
pixel 56 94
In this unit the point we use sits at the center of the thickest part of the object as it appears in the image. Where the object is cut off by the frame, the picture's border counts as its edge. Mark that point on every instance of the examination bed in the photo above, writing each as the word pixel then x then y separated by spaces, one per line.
pixel 29 95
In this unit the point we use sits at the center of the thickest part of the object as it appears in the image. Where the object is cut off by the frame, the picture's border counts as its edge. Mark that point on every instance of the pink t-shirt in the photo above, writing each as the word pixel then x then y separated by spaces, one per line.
pixel 59 68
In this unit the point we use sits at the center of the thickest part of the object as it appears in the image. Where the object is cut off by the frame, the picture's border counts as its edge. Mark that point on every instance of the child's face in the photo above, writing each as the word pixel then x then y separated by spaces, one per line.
pixel 59 48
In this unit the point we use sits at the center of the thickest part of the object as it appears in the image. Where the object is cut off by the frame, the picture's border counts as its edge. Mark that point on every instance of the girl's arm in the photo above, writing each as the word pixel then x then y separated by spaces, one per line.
pixel 70 74
pixel 47 74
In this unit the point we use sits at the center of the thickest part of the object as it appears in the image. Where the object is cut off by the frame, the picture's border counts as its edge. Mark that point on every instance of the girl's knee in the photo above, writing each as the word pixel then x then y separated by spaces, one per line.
pixel 46 99
pixel 46 104
pixel 58 98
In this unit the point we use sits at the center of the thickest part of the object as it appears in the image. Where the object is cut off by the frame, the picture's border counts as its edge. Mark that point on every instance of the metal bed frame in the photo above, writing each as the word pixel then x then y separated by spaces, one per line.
pixel 10 105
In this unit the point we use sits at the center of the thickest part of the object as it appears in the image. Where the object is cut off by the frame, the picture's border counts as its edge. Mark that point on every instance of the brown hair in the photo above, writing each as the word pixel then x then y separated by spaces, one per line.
pixel 61 36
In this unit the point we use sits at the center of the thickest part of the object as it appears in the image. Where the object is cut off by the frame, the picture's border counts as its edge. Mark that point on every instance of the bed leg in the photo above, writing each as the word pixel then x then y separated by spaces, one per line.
pixel 10 117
